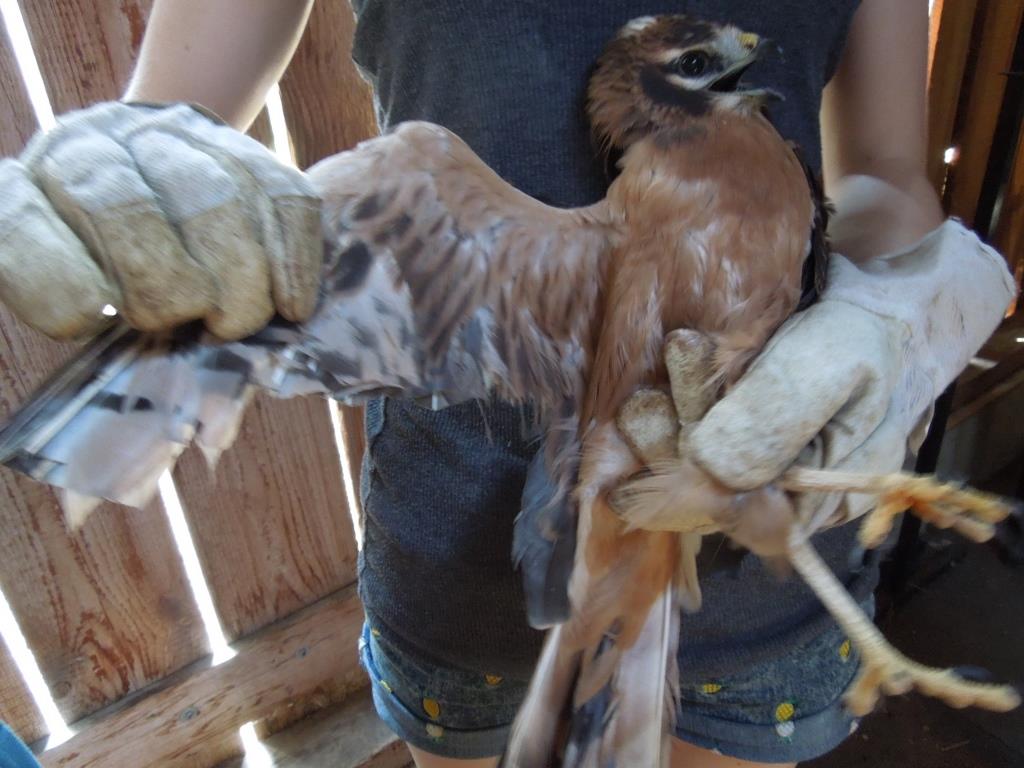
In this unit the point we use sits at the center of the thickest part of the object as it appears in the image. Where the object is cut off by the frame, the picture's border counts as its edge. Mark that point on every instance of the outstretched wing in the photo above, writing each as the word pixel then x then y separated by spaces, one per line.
pixel 441 280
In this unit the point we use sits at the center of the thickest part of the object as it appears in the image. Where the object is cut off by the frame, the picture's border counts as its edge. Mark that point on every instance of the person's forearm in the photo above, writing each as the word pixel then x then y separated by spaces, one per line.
pixel 873 122
pixel 875 214
pixel 221 54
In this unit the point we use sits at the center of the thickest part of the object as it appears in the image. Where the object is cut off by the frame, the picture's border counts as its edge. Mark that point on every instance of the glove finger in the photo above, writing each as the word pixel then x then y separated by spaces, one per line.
pixel 287 211
pixel 832 364
pixel 203 202
pixel 93 183
pixel 47 276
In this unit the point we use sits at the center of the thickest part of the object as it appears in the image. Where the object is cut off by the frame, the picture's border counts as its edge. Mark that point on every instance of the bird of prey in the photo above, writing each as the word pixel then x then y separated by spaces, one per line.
pixel 443 282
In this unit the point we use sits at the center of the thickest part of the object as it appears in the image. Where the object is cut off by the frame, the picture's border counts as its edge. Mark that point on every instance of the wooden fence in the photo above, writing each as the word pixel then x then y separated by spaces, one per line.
pixel 107 610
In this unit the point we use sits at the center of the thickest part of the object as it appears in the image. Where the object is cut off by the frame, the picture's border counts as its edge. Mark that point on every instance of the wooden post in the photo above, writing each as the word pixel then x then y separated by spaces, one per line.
pixel 16 706
pixel 949 44
pixel 1001 22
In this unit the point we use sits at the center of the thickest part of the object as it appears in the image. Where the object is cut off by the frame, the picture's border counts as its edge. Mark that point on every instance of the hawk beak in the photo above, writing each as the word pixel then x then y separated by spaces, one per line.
pixel 756 46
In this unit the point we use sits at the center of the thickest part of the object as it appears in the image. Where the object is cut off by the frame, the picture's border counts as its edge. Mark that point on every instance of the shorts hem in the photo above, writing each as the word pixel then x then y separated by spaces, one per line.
pixel 423 734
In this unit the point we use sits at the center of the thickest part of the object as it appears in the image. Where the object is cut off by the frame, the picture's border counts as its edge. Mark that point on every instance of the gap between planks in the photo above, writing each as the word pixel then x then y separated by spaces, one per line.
pixel 285 671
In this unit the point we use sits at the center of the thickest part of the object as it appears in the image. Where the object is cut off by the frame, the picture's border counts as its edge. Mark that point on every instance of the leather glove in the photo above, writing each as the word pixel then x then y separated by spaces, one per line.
pixel 849 384
pixel 161 212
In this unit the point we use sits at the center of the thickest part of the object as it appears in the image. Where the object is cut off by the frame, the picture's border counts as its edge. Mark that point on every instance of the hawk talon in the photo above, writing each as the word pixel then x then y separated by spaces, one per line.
pixel 883 668
pixel 971 513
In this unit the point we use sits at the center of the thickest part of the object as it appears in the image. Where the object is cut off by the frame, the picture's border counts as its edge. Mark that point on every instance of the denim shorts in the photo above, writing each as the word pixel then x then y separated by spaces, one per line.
pixel 786 710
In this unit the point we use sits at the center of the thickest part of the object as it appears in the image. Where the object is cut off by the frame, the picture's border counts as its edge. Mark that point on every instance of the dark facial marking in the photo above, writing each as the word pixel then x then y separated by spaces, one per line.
pixel 660 91
pixel 352 267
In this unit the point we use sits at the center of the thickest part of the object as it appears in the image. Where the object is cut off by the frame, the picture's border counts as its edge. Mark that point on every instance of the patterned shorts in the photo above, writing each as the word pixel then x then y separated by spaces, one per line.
pixel 787 710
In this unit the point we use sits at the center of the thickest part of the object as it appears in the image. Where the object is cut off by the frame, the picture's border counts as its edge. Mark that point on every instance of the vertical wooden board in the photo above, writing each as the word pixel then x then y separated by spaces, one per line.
pixel 329 108
pixel 260 129
pixel 105 610
pixel 17 708
pixel 1009 232
pixel 1001 24
pixel 86 50
pixel 949 43
pixel 271 524
pixel 327 104
pixel 17 121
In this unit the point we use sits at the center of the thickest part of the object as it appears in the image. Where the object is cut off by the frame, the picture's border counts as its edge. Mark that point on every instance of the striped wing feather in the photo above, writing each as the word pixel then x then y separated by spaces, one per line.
pixel 499 292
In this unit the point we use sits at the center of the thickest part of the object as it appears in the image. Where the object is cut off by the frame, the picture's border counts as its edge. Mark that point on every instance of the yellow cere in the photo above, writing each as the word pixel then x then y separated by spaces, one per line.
pixel 749 40
pixel 710 688
pixel 493 680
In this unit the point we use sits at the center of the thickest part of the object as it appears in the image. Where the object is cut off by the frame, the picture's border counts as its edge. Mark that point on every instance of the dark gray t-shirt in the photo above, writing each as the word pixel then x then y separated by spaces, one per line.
pixel 441 490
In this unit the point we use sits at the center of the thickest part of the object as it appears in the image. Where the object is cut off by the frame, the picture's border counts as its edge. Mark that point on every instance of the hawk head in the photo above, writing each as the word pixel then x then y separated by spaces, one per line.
pixel 669 74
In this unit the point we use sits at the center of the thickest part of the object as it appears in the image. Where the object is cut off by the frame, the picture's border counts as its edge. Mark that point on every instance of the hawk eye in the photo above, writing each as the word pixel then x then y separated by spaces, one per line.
pixel 692 63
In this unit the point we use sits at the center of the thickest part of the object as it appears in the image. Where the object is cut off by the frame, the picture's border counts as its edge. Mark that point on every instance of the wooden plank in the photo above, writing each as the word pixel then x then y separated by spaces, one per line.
pixel 1009 230
pixel 949 43
pixel 260 129
pixel 327 104
pixel 86 50
pixel 285 671
pixel 349 735
pixel 329 108
pixel 106 610
pixel 1001 23
pixel 17 121
pixel 271 524
pixel 17 708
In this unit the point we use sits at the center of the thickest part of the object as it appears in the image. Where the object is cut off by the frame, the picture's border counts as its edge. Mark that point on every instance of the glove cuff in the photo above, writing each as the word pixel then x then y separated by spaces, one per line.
pixel 949 289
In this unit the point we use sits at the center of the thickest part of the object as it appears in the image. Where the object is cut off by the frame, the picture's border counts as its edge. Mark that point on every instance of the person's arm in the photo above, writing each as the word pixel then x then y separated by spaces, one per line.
pixel 221 54
pixel 874 132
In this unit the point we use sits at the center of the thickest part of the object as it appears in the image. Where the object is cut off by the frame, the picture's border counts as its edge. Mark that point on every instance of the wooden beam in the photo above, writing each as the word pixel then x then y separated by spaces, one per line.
pixel 271 524
pixel 349 735
pixel 1009 229
pixel 1001 22
pixel 86 50
pixel 948 48
pixel 329 108
pixel 16 706
pixel 283 672
pixel 107 609
pixel 17 120
pixel 327 104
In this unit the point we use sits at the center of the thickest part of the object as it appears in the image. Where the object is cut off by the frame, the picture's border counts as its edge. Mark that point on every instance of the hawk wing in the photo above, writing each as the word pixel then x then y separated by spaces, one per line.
pixel 440 280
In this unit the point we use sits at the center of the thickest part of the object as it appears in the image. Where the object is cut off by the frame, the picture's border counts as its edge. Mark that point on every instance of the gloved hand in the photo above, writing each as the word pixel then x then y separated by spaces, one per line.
pixel 161 212
pixel 849 384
